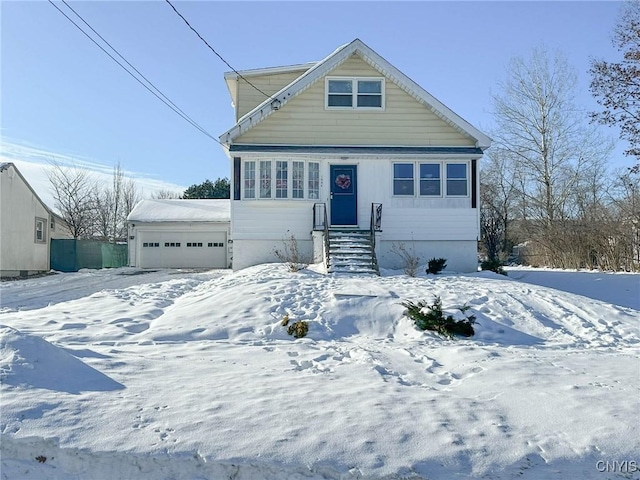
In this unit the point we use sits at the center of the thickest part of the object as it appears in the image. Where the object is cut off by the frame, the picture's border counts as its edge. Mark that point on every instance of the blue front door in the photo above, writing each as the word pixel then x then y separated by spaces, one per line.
pixel 344 198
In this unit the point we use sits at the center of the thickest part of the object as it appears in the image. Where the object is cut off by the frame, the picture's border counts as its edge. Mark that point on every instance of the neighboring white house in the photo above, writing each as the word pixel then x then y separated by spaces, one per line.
pixel 27 226
pixel 354 138
pixel 179 234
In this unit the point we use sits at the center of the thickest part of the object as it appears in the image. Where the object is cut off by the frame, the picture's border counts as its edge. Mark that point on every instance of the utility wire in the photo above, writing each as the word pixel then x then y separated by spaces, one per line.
pixel 213 50
pixel 127 62
pixel 158 95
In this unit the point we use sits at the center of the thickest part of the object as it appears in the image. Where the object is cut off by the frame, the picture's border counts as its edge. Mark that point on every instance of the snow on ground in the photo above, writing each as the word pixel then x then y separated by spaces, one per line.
pixel 189 375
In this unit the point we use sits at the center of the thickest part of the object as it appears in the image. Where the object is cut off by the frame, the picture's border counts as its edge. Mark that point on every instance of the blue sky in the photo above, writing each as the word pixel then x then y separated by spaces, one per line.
pixel 62 96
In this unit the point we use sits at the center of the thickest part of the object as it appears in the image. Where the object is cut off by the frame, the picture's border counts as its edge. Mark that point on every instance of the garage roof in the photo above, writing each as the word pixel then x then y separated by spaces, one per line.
pixel 172 210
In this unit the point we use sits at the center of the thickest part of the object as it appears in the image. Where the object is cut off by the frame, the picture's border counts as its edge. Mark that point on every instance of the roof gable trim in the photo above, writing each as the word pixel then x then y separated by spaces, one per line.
pixel 335 59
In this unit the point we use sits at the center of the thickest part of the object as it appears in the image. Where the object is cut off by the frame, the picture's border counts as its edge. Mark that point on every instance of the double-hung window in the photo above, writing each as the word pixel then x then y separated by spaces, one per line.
pixel 457 179
pixel 430 179
pixel 355 93
pixel 403 179
pixel 265 179
pixel 41 225
pixel 281 179
pixel 249 179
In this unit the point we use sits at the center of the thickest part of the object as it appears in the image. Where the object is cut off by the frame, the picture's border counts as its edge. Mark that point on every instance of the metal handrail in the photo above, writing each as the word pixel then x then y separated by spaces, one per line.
pixel 375 225
pixel 326 239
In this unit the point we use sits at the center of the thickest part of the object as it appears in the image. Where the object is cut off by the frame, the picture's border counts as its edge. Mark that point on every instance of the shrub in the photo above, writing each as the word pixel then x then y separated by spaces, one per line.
pixel 494 265
pixel 436 265
pixel 431 317
pixel 290 254
pixel 298 329
pixel 408 258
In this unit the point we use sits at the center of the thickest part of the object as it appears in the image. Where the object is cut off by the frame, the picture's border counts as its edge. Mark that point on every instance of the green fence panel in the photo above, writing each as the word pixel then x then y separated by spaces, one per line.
pixel 63 255
pixel 73 255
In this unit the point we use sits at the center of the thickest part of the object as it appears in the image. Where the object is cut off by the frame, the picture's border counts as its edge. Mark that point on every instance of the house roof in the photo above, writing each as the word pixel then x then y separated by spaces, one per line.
pixel 232 77
pixel 173 210
pixel 335 59
pixel 6 165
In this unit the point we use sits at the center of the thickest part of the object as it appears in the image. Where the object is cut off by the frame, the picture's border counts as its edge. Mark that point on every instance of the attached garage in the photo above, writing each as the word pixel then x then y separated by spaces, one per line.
pixel 180 234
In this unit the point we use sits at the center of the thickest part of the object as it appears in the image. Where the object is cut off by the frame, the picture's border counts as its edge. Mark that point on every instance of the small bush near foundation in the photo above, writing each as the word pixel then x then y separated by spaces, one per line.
pixel 431 317
pixel 298 329
pixel 290 254
pixel 436 265
pixel 494 265
pixel 409 259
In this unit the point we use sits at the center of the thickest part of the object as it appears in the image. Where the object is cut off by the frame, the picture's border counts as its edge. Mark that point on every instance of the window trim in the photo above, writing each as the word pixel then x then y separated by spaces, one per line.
pixel 44 222
pixel 443 177
pixel 354 94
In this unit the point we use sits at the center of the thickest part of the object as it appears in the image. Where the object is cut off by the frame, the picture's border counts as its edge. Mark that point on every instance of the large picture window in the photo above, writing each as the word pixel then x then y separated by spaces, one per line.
pixel 355 93
pixel 281 179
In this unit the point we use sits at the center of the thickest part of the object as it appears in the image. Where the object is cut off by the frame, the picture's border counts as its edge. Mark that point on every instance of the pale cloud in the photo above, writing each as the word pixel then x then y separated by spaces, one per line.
pixel 33 162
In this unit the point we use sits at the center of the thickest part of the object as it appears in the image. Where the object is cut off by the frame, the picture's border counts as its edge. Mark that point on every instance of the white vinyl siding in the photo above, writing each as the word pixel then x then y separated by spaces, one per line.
pixel 248 97
pixel 282 179
pixel 304 120
pixel 428 183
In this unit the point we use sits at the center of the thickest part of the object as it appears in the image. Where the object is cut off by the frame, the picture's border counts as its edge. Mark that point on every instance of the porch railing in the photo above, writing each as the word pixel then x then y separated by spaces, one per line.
pixel 375 225
pixel 320 222
pixel 319 216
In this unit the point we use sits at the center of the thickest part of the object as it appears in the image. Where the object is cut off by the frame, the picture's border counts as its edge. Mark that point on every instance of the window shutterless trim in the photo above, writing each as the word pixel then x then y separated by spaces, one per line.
pixel 355 94
pixel 443 178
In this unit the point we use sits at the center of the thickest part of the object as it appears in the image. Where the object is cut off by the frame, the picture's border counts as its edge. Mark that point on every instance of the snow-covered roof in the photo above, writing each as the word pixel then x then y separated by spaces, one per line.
pixel 172 210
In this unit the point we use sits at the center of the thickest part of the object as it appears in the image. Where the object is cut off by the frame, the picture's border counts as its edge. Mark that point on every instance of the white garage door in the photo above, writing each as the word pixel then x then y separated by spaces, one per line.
pixel 182 249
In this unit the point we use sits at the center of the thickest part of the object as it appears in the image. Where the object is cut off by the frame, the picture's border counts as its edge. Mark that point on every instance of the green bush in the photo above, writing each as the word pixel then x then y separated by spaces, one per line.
pixel 431 317
pixel 494 265
pixel 298 329
pixel 436 265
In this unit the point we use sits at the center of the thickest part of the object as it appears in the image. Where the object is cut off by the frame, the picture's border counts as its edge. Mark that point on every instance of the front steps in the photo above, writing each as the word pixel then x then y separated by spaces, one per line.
pixel 351 251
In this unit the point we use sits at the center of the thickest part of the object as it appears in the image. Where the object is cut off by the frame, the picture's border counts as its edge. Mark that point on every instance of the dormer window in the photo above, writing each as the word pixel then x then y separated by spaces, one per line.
pixel 364 93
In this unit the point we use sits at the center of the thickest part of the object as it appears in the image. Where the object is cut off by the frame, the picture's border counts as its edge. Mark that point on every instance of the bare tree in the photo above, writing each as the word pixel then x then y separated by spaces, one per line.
pixel 73 194
pixel 616 85
pixel 112 205
pixel 548 141
pixel 497 195
pixel 164 194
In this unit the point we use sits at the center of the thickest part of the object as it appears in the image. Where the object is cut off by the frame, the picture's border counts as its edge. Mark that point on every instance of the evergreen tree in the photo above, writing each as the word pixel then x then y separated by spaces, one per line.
pixel 208 189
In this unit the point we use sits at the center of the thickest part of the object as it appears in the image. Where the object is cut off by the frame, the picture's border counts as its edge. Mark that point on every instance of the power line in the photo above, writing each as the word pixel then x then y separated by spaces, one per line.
pixel 213 50
pixel 158 95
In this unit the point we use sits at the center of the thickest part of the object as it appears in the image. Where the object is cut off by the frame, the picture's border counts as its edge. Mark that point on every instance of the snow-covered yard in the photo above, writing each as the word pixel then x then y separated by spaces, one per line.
pixel 122 374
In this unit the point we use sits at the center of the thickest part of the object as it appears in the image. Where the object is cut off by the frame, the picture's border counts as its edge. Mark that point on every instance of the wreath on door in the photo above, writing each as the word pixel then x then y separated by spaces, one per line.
pixel 343 181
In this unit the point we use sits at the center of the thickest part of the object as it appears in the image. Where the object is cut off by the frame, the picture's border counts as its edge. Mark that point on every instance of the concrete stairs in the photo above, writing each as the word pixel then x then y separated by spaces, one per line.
pixel 351 251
